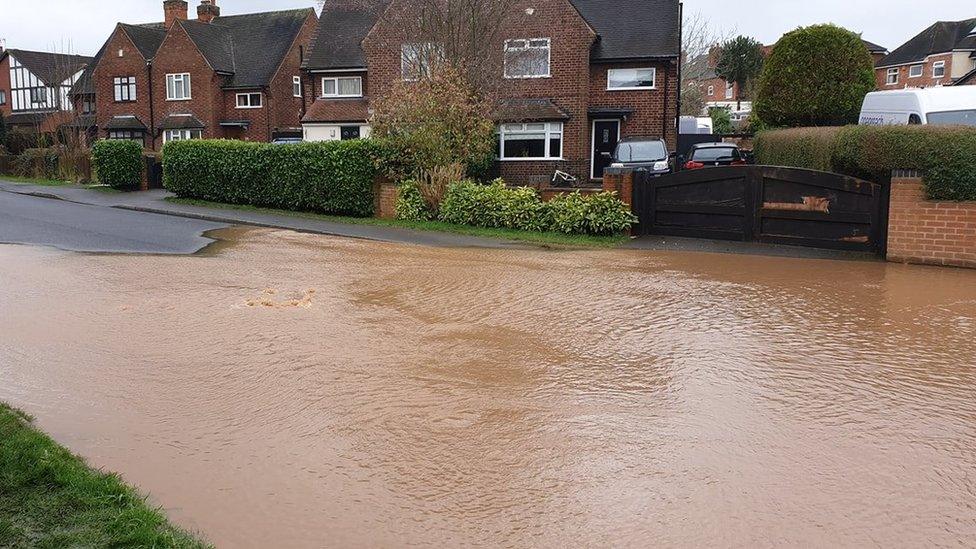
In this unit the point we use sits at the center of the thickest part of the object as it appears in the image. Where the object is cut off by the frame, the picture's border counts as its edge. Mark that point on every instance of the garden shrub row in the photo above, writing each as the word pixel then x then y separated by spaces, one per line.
pixel 945 155
pixel 498 206
pixel 118 163
pixel 330 177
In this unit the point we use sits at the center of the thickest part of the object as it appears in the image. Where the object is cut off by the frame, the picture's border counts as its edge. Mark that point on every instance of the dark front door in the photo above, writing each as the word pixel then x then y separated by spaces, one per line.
pixel 350 132
pixel 606 133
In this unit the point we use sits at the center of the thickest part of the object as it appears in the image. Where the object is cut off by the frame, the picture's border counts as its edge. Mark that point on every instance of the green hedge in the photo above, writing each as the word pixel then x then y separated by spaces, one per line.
pixel 499 206
pixel 118 163
pixel 334 177
pixel 946 155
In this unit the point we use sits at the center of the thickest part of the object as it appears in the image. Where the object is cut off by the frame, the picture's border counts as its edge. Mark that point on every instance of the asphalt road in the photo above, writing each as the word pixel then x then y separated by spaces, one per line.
pixel 88 228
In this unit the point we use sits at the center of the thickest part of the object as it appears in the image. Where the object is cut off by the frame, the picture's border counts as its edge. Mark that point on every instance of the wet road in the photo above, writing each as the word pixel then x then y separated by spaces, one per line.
pixel 81 227
pixel 289 390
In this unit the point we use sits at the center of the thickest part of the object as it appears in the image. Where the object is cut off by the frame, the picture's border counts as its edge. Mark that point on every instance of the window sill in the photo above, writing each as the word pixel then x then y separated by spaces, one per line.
pixel 643 88
pixel 531 159
pixel 540 77
pixel 341 96
pixel 184 99
pixel 249 108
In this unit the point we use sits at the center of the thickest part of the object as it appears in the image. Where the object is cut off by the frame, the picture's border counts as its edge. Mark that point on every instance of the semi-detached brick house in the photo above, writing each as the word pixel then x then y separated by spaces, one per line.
pixel 941 55
pixel 233 77
pixel 602 70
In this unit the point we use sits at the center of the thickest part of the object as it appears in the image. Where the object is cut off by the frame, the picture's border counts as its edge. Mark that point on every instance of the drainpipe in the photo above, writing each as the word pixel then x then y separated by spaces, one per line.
pixel 152 111
pixel 664 111
pixel 677 98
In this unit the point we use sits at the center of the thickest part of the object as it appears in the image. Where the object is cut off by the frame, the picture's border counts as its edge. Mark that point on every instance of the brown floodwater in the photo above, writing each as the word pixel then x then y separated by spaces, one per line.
pixel 290 390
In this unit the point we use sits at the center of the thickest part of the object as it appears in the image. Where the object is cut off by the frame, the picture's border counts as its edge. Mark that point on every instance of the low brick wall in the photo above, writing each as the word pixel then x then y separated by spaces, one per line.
pixel 384 197
pixel 929 232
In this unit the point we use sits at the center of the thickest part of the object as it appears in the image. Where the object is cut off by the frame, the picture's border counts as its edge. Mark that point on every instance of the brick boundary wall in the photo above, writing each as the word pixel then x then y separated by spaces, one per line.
pixel 928 232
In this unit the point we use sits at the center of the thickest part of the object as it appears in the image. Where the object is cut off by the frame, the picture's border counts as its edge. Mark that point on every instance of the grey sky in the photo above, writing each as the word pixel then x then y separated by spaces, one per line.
pixel 80 26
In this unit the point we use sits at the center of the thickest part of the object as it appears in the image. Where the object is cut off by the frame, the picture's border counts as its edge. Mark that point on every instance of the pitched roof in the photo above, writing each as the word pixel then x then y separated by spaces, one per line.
pixel 128 122
pixel 338 110
pixel 181 122
pixel 942 37
pixel 633 29
pixel 146 37
pixel 874 48
pixel 52 68
pixel 342 29
pixel 250 46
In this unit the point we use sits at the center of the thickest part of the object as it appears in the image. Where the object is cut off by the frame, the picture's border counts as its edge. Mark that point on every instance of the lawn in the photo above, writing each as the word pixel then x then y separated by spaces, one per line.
pixel 50 498
pixel 555 239
pixel 34 181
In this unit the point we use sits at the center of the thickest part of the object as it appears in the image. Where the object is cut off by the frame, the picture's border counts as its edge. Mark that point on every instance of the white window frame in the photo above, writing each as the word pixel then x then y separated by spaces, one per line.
pixel 336 80
pixel 711 91
pixel 3 97
pixel 892 72
pixel 185 84
pixel 182 135
pixel 296 86
pixel 913 74
pixel 424 52
pixel 550 129
pixel 653 85
pixel 730 90
pixel 250 100
pixel 939 65
pixel 510 45
pixel 129 87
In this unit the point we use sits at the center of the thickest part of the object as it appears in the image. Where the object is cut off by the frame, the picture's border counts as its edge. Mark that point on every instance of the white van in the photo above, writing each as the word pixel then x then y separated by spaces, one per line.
pixel 954 105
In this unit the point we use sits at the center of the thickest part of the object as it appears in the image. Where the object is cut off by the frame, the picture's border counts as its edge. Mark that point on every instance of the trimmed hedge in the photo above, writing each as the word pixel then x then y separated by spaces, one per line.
pixel 498 206
pixel 334 177
pixel 946 155
pixel 118 163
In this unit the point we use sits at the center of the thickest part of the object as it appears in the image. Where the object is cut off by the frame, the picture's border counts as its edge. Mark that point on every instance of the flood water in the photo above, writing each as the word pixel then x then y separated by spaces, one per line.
pixel 289 390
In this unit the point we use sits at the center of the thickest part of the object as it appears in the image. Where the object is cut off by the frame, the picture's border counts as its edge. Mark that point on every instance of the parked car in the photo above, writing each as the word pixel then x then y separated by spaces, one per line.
pixel 648 154
pixel 955 105
pixel 286 141
pixel 704 155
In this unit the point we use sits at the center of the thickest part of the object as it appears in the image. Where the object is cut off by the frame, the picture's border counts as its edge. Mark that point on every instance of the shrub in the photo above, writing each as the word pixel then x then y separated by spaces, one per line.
pixel 333 177
pixel 37 163
pixel 410 204
pixel 19 140
pixel 815 76
pixel 721 121
pixel 118 163
pixel 946 155
pixel 597 214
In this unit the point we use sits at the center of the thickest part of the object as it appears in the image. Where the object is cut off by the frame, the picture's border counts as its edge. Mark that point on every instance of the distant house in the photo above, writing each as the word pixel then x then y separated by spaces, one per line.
pixel 35 86
pixel 942 55
pixel 233 77
pixel 593 72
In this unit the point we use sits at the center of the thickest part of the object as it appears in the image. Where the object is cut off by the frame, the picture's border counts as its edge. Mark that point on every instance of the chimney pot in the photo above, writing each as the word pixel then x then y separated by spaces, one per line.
pixel 173 10
pixel 207 11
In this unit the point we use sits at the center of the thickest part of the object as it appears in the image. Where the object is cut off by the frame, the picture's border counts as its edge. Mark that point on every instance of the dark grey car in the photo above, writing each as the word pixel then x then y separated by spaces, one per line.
pixel 647 154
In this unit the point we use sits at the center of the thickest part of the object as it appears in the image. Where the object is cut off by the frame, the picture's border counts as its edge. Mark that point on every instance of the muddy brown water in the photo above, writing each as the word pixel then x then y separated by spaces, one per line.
pixel 288 390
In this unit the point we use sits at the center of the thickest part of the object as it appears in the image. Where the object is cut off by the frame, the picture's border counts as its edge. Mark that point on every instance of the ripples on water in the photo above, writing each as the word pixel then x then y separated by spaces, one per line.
pixel 299 391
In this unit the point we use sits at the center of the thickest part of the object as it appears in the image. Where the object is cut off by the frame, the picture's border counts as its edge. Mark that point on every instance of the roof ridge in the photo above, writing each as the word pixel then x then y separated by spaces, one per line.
pixel 293 10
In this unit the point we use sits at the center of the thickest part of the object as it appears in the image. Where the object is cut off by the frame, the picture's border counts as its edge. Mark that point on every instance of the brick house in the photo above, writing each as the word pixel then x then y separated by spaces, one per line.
pixel 233 77
pixel 597 71
pixel 941 55
pixel 35 86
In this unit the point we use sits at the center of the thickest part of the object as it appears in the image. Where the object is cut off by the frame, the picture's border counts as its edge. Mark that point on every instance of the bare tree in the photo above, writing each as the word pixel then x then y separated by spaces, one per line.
pixel 699 37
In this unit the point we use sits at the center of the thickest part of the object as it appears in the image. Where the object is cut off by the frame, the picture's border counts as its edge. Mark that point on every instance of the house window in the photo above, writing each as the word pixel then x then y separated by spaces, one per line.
pixel 915 71
pixel 892 78
pixel 87 106
pixel 711 91
pixel 528 58
pixel 349 86
pixel 416 60
pixel 181 135
pixel 249 101
pixel 729 90
pixel 127 135
pixel 531 141
pixel 296 86
pixel 3 97
pixel 938 69
pixel 177 87
pixel 38 96
pixel 125 88
pixel 631 79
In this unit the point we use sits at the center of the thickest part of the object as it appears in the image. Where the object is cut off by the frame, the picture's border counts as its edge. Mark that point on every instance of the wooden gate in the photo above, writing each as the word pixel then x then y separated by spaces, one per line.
pixel 765 204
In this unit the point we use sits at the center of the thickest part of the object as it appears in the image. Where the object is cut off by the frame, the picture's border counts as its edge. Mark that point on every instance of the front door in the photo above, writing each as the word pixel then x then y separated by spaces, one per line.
pixel 350 132
pixel 606 133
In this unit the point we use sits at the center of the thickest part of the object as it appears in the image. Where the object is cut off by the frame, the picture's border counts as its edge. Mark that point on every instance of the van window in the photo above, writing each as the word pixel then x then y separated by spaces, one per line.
pixel 914 119
pixel 953 118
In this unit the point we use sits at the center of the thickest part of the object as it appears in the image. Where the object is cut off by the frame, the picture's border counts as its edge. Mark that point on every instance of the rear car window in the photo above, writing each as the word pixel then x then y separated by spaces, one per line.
pixel 714 154
pixel 953 118
pixel 641 151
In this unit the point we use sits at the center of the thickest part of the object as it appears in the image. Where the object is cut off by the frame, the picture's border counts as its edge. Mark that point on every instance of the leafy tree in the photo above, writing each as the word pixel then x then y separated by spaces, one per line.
pixel 815 76
pixel 741 62
pixel 721 121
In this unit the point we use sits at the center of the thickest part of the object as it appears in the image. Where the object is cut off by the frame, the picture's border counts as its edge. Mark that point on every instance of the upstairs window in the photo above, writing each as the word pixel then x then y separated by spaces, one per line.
pixel 125 88
pixel 249 101
pixel 729 90
pixel 938 69
pixel 38 96
pixel 87 106
pixel 347 86
pixel 892 77
pixel 178 87
pixel 416 60
pixel 711 91
pixel 296 86
pixel 631 79
pixel 3 97
pixel 531 141
pixel 916 71
pixel 528 58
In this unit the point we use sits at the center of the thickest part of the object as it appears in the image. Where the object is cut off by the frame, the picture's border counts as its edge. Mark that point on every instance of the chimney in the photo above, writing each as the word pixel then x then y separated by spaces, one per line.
pixel 174 9
pixel 207 11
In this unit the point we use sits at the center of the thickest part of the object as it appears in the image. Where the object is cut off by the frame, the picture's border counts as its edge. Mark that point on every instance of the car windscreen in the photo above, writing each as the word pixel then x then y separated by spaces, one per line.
pixel 954 118
pixel 714 154
pixel 641 151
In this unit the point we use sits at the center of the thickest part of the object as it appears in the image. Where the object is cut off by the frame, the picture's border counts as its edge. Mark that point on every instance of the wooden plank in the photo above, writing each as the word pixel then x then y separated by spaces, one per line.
pixel 806 215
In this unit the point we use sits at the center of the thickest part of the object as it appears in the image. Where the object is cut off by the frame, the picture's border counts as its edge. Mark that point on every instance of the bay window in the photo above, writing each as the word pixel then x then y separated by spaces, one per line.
pixel 181 135
pixel 528 58
pixel 531 141
pixel 178 87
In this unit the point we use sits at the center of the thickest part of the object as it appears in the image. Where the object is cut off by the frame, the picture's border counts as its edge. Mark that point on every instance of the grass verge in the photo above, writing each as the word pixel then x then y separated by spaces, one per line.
pixel 556 239
pixel 34 181
pixel 50 498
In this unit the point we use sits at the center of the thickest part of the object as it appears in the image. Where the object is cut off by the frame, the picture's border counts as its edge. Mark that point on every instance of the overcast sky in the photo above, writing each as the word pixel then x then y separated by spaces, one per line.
pixel 81 26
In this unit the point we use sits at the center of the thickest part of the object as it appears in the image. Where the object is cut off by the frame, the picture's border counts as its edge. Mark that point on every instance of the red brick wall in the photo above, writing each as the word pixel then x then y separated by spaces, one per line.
pixel 928 232
pixel 111 66
pixel 286 110
pixel 7 107
pixel 926 80
pixel 651 117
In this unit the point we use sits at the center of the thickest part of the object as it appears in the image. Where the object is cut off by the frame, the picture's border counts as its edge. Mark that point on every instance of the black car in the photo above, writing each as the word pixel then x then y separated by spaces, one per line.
pixel 704 155
pixel 648 154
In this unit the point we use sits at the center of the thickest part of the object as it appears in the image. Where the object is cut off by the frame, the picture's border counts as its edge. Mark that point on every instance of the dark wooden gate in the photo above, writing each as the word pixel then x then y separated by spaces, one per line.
pixel 765 204
pixel 154 171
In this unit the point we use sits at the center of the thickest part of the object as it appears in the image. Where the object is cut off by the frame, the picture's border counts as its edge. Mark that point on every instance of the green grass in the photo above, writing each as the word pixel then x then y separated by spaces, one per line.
pixel 555 239
pixel 50 498
pixel 34 181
